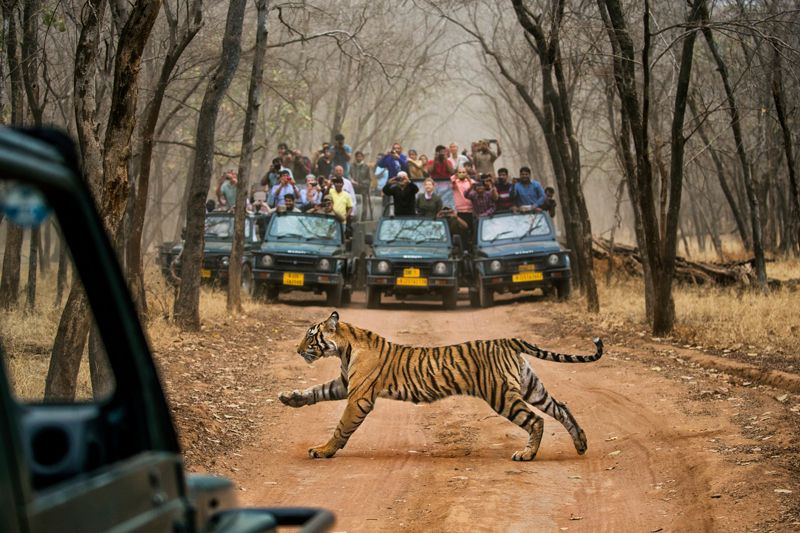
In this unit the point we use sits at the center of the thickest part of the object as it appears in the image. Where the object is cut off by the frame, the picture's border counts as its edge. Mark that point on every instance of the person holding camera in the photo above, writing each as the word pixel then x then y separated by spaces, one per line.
pixel 285 186
pixel 395 161
pixel 403 191
pixel 341 154
pixel 483 157
pixel 482 194
pixel 440 167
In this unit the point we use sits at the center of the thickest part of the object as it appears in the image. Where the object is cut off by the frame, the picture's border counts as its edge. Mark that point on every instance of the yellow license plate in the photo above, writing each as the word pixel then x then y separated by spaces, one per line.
pixel 527 276
pixel 527 268
pixel 413 282
pixel 293 278
pixel 205 273
pixel 410 272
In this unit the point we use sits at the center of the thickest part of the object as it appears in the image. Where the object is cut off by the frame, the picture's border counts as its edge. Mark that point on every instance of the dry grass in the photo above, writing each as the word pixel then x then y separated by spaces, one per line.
pixel 27 340
pixel 712 317
pixel 718 318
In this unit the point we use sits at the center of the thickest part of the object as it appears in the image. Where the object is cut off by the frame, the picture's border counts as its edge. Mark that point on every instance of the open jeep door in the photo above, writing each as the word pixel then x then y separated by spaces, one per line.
pixel 104 456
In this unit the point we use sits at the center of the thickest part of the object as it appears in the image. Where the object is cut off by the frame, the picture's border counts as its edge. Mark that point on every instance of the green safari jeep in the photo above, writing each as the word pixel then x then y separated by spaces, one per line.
pixel 516 252
pixel 98 456
pixel 413 256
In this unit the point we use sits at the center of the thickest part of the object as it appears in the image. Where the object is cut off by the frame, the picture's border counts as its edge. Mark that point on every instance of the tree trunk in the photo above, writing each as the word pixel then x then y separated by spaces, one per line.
pixel 733 109
pixel 186 309
pixel 12 260
pixel 109 179
pixel 33 267
pixel 741 226
pixel 792 232
pixel 664 315
pixel 65 359
pixel 245 163
pixel 178 43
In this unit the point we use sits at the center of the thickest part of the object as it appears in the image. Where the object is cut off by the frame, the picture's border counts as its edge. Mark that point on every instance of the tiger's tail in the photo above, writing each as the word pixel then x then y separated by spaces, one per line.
pixel 533 350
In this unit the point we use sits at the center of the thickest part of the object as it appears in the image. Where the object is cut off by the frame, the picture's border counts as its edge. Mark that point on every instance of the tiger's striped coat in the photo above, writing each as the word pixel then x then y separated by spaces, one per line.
pixel 372 368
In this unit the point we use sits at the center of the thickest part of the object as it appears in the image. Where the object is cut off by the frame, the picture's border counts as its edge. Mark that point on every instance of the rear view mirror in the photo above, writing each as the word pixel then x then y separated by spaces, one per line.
pixel 457 241
pixel 368 239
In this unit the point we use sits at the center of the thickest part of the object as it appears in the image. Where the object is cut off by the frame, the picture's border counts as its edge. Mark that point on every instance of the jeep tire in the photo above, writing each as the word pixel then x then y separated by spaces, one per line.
pixel 334 295
pixel 563 288
pixel 272 290
pixel 373 297
pixel 450 297
pixel 485 295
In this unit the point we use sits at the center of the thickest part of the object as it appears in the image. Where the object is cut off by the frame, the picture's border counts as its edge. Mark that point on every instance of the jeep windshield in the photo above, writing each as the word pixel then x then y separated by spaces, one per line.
pixel 417 231
pixel 292 227
pixel 515 227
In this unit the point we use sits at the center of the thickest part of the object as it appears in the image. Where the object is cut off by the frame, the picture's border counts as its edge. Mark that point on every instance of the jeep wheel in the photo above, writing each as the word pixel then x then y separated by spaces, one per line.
pixel 563 289
pixel 474 299
pixel 485 295
pixel 373 297
pixel 334 295
pixel 450 298
pixel 248 283
pixel 272 292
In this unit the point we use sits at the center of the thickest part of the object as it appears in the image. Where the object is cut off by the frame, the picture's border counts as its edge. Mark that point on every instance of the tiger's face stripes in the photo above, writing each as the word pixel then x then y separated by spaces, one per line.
pixel 315 345
pixel 373 367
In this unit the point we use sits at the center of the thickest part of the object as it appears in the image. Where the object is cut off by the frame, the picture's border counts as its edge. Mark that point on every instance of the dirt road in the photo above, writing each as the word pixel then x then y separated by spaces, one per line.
pixel 673 446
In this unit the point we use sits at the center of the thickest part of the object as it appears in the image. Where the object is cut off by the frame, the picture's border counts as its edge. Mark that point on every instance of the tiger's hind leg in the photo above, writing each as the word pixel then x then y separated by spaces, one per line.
pixel 514 408
pixel 536 395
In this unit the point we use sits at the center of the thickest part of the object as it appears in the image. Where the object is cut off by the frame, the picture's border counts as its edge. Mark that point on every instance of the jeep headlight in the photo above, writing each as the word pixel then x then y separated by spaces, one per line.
pixel 267 261
pixel 383 267
pixel 495 266
pixel 440 268
pixel 324 264
pixel 552 260
pixel 225 260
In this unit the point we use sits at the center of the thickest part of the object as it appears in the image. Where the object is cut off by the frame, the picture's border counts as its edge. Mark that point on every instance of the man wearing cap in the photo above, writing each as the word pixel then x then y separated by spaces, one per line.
pixel 284 186
pixel 404 193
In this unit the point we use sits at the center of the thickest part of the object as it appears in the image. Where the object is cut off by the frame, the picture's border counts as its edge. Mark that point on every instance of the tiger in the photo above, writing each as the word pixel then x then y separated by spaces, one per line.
pixel 373 367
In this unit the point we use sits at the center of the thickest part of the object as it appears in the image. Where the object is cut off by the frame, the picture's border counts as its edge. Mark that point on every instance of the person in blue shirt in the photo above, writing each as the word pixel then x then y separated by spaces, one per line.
pixel 394 162
pixel 527 191
pixel 341 154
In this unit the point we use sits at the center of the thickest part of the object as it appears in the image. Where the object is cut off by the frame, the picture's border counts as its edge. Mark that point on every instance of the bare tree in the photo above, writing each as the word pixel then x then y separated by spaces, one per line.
pixel 186 309
pixel 109 183
pixel 180 35
pixel 245 163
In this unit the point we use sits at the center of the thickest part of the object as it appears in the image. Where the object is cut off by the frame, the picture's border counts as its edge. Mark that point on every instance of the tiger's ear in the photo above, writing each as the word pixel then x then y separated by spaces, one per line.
pixel 332 322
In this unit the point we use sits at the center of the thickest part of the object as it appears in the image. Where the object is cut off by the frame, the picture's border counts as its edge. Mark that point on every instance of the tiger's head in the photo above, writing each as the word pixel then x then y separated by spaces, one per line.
pixel 321 340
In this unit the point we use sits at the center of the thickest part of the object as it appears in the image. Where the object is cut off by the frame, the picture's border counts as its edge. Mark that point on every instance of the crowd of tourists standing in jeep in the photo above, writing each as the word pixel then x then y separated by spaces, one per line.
pixel 459 185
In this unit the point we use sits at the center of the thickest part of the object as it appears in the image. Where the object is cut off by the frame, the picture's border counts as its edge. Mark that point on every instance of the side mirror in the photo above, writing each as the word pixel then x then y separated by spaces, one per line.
pixel 368 239
pixel 183 234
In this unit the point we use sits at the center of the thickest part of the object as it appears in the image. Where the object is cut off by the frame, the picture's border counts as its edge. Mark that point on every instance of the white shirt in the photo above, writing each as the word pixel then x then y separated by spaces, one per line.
pixel 348 187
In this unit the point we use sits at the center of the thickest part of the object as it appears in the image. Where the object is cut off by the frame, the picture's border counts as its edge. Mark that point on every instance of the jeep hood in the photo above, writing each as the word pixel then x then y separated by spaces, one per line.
pixel 300 248
pixel 518 248
pixel 411 252
pixel 210 247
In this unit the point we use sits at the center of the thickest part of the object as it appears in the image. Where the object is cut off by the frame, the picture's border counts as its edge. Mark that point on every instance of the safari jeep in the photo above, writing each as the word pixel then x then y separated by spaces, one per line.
pixel 301 252
pixel 218 243
pixel 413 255
pixel 515 252
pixel 92 451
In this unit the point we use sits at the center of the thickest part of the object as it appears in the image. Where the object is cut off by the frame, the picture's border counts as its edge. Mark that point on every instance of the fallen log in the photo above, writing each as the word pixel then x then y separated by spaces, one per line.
pixel 626 258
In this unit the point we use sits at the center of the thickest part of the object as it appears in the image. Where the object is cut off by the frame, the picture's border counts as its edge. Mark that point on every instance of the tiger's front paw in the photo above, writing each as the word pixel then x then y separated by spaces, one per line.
pixel 293 399
pixel 528 454
pixel 321 452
